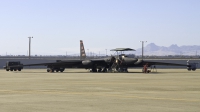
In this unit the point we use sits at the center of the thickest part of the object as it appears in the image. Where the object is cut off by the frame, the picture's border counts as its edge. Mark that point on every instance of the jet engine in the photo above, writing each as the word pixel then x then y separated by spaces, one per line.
pixel 87 62
pixel 130 60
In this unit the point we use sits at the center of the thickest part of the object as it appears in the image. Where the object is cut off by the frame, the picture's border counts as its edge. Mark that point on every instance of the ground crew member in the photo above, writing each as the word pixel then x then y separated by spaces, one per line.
pixel 145 68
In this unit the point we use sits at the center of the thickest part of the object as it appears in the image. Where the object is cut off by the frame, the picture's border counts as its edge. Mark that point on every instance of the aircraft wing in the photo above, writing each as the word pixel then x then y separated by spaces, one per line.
pixel 60 63
pixel 163 63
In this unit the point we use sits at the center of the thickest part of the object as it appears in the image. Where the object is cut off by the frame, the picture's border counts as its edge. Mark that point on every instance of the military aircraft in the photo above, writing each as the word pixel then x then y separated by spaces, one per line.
pixel 118 63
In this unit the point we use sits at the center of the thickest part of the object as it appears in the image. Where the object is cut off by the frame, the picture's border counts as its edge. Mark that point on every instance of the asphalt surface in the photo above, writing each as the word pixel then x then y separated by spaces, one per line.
pixel 35 90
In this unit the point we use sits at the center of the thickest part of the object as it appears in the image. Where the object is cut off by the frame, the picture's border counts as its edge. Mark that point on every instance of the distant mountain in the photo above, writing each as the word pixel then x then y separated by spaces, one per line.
pixel 153 49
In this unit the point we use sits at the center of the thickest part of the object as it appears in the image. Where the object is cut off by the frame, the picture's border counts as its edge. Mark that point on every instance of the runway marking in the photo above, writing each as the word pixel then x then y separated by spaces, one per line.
pixel 105 94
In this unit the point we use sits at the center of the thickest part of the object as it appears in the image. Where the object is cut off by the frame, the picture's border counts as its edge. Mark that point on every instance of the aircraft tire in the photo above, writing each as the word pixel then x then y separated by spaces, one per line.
pixel 52 70
pixel 126 70
pixel 7 69
pixel 99 70
pixel 94 70
pixel 110 71
pixel 61 70
pixel 105 70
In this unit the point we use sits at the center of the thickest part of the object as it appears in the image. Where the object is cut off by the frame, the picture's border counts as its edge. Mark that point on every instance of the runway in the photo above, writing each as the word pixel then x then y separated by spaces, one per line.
pixel 35 90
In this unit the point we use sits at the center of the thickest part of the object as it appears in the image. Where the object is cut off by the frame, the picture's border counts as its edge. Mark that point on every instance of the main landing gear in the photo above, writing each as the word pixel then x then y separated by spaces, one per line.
pixel 124 70
pixel 55 70
pixel 98 70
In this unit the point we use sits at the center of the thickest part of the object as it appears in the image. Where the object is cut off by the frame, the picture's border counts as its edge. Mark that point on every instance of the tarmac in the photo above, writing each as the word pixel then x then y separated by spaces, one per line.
pixel 35 90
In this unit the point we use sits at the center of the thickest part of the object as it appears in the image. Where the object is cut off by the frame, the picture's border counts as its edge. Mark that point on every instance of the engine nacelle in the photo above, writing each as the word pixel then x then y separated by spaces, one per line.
pixel 87 62
pixel 130 60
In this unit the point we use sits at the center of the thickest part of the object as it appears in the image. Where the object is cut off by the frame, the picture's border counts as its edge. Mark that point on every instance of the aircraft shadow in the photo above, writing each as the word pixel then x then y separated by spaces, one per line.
pixel 89 72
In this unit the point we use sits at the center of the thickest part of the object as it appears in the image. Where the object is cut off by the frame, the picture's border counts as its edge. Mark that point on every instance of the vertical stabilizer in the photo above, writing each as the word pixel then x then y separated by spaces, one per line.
pixel 82 50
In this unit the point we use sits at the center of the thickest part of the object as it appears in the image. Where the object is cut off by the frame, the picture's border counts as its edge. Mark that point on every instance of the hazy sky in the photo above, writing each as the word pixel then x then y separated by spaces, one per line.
pixel 58 25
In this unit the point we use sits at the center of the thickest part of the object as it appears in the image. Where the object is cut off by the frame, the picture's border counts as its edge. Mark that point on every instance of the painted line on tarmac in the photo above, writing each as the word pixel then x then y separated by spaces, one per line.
pixel 104 94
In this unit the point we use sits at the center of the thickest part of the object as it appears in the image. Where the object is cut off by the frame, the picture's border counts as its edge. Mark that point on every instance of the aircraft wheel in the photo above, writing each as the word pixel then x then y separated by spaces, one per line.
pixel 126 70
pixel 120 70
pixel 15 69
pixel 110 70
pixel 99 70
pixel 11 69
pixel 61 70
pixel 94 70
pixel 48 70
pixel 104 70
pixel 7 69
pixel 57 70
pixel 19 69
pixel 189 69
pixel 52 70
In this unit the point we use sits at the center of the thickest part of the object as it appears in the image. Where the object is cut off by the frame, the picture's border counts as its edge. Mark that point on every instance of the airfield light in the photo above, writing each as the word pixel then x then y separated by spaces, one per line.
pixel 143 48
pixel 30 47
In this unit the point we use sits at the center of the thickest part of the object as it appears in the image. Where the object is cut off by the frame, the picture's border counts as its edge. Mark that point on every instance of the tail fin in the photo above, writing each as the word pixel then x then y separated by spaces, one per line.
pixel 82 50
